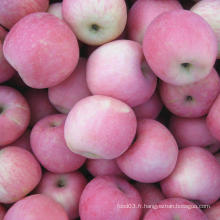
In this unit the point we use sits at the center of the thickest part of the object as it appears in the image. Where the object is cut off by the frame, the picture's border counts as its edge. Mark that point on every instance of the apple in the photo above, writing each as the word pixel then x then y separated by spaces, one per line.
pixel 150 195
pixel 102 167
pixel 20 173
pixel 95 22
pixel 213 213
pixel 188 100
pixel 106 197
pixel 2 212
pixel 176 209
pixel 195 177
pixel 143 12
pixel 39 104
pixel 43 49
pixel 75 85
pixel 149 109
pixel 217 156
pixel 14 115
pixel 153 155
pixel 122 75
pixel 56 9
pixel 191 132
pixel 3 34
pixel 209 11
pixel 212 120
pixel 35 207
pixel 65 189
pixel 49 146
pixel 100 127
pixel 177 52
pixel 11 11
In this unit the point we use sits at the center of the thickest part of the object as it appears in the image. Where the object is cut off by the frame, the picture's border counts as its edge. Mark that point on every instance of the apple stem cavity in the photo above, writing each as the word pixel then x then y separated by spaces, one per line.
pixel 94 27
pixel 60 183
pixel 1 109
pixel 186 66
pixel 189 98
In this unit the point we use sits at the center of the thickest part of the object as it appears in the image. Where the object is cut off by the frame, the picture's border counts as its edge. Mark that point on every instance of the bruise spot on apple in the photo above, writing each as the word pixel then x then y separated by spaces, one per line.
pixel 188 98
pixel 94 27
pixel 54 124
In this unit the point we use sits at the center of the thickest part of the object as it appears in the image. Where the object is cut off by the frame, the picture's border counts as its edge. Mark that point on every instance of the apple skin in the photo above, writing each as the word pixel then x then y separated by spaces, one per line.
pixel 75 85
pixel 102 197
pixel 153 155
pixel 150 195
pixel 188 100
pixel 34 54
pixel 2 212
pixel 186 213
pixel 149 109
pixel 191 132
pixel 56 10
pixel 95 22
pixel 11 11
pixel 213 120
pixel 39 103
pixel 174 51
pixel 101 167
pixel 100 127
pixel 48 145
pixel 20 173
pixel 143 12
pixel 65 189
pixel 37 207
pixel 213 213
pixel 195 177
pixel 14 116
pixel 131 79
pixel 209 11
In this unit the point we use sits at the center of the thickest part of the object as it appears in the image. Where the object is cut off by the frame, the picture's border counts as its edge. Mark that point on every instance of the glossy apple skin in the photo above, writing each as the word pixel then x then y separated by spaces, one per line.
pixel 174 51
pixel 20 173
pixel 150 195
pixel 212 120
pixel 11 11
pixel 213 213
pixel 153 155
pixel 183 212
pixel 195 177
pixel 65 189
pixel 188 100
pixel 143 12
pixel 56 9
pixel 109 16
pixel 75 86
pixel 34 54
pixel 14 116
pixel 2 212
pixel 209 11
pixel 191 132
pixel 101 167
pixel 38 207
pixel 102 197
pixel 149 109
pixel 48 145
pixel 131 79
pixel 39 103
pixel 100 127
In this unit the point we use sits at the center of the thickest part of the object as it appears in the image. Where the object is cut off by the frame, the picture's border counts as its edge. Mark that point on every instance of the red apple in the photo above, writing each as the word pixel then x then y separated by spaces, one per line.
pixel 213 212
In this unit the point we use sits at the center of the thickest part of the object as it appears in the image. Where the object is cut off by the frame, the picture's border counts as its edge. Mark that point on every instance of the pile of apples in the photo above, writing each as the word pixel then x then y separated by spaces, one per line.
pixel 109 110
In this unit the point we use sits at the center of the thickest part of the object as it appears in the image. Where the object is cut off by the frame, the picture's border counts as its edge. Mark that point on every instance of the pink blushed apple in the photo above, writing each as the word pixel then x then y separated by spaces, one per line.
pixel 213 213
pixel 177 52
pixel 100 127
pixel 104 198
pixel 153 155
pixel 49 146
pixel 195 177
pixel 143 12
pixel 56 9
pixel 75 86
pixel 14 115
pixel 95 22
pixel 209 11
pixel 36 207
pixel 188 100
pixel 65 189
pixel 19 173
pixel 118 69
pixel 43 50
pixel 176 209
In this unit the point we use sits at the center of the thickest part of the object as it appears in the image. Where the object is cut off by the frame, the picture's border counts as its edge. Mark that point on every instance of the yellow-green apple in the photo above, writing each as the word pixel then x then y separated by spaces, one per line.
pixel 56 9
